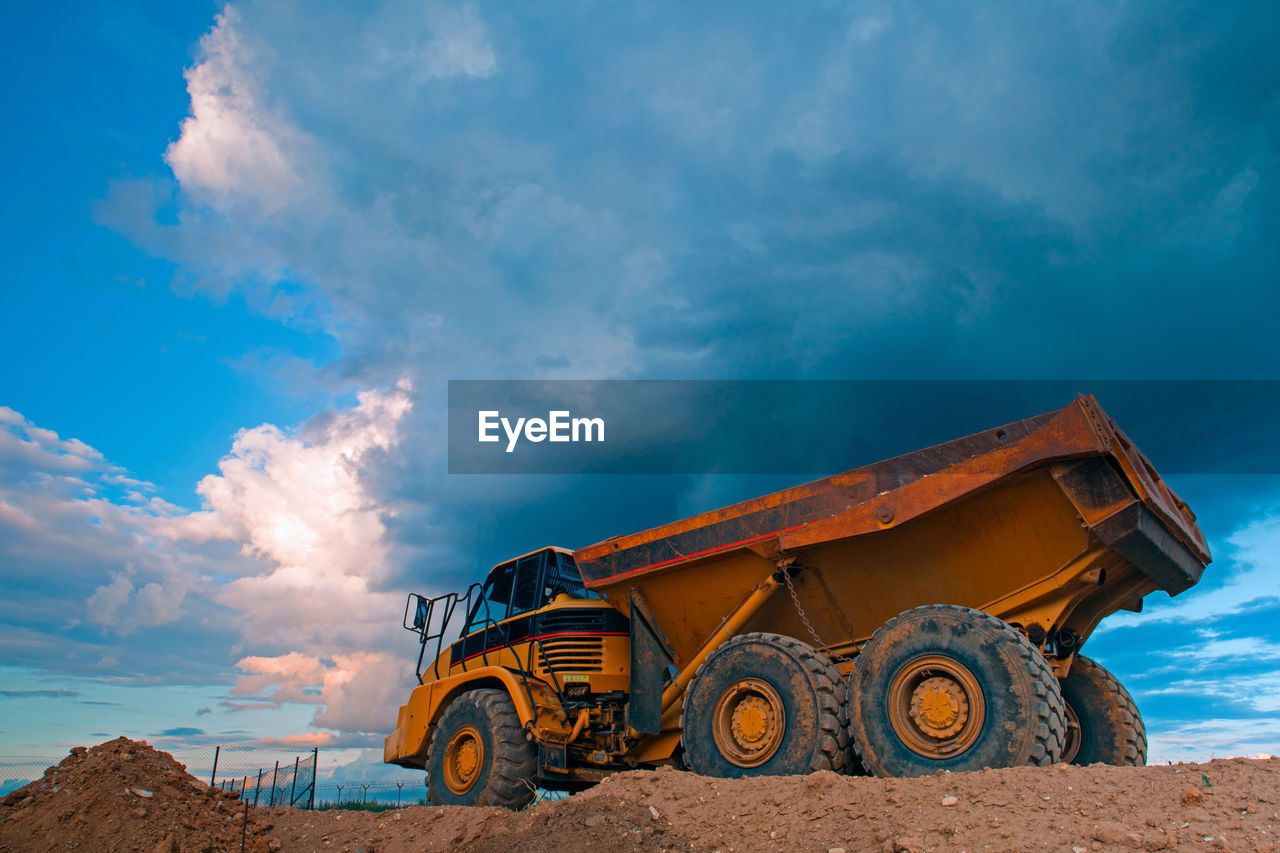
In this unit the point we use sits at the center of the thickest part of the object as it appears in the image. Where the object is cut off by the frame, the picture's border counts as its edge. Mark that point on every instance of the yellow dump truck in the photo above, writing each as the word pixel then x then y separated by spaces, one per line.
pixel 922 613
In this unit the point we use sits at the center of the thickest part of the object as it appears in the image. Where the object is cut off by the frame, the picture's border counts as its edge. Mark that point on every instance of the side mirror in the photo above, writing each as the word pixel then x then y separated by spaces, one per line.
pixel 420 614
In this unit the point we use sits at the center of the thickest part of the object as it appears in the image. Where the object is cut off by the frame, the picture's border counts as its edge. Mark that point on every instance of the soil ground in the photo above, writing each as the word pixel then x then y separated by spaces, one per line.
pixel 88 802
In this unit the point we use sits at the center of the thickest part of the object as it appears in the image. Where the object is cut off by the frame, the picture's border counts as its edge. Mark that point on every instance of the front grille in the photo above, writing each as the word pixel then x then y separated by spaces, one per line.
pixel 571 654
pixel 580 619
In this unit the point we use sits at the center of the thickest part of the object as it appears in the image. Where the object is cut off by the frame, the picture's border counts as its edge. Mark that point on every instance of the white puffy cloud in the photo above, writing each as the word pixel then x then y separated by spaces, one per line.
pixel 302 590
pixel 296 502
pixel 73 523
pixel 235 145
pixel 356 692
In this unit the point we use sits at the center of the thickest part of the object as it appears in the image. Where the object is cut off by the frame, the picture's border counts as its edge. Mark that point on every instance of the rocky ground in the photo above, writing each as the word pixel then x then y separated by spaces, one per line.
pixel 92 802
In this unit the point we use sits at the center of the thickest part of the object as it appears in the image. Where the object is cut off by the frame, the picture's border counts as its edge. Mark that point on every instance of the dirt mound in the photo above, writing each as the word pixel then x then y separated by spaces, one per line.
pixel 91 802
pixel 124 795
pixel 1222 805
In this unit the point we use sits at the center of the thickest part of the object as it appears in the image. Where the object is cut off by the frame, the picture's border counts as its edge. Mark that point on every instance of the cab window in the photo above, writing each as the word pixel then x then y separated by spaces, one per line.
pixel 495 598
pixel 528 584
pixel 563 577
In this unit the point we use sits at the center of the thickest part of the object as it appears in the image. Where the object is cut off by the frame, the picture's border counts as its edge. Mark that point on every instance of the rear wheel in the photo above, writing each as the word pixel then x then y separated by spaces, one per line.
pixel 479 755
pixel 765 705
pixel 951 688
pixel 1104 725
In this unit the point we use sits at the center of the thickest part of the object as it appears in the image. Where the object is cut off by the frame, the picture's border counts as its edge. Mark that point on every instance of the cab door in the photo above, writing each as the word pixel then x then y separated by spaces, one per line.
pixel 502 617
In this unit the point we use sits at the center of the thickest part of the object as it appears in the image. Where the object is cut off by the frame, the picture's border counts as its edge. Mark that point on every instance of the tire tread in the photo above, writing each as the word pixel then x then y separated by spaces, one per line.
pixel 514 761
pixel 1134 730
pixel 1050 721
pixel 830 687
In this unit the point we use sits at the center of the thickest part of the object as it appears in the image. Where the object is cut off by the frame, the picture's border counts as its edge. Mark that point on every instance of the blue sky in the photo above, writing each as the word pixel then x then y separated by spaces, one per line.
pixel 248 244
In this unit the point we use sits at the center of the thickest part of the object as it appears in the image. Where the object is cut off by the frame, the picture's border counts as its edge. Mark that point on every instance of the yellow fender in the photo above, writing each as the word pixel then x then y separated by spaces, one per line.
pixel 407 745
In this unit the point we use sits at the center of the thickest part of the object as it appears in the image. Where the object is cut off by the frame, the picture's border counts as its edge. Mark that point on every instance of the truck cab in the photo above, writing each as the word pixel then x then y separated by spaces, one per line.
pixel 536 608
pixel 548 657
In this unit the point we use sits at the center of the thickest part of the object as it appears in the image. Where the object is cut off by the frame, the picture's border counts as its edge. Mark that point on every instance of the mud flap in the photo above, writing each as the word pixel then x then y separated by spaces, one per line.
pixel 650 659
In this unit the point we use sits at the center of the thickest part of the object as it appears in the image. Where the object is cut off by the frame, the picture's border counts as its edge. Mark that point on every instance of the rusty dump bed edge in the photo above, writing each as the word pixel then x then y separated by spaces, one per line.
pixel 891 492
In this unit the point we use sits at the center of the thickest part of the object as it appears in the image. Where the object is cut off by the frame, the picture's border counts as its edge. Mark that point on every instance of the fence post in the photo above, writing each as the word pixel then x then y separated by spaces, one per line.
pixel 257 789
pixel 365 798
pixel 399 788
pixel 293 788
pixel 315 775
pixel 274 774
pixel 217 750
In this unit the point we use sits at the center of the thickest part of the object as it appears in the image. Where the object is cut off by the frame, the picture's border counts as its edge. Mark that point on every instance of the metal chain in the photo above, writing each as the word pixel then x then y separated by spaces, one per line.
pixel 804 617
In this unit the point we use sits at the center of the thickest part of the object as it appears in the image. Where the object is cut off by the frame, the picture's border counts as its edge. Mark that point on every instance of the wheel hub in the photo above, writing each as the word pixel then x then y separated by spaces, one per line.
pixel 752 720
pixel 749 722
pixel 939 707
pixel 463 760
pixel 936 706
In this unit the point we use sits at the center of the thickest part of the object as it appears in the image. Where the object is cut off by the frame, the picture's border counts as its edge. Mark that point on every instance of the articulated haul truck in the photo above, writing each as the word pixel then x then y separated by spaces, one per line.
pixel 922 613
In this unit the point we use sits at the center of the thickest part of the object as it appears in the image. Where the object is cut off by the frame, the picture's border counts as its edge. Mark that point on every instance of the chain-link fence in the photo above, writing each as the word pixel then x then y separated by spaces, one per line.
pixel 18 770
pixel 269 776
pixel 348 793
pixel 282 784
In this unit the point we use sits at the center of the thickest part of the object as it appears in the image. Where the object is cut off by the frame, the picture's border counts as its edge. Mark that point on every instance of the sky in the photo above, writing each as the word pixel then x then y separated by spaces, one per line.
pixel 249 244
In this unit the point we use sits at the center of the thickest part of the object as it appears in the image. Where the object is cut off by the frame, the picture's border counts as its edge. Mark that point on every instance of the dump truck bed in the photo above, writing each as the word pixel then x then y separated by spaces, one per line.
pixel 1020 520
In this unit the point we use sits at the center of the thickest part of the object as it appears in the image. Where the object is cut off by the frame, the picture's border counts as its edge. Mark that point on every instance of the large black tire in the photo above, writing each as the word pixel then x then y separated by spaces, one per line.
pixel 1104 725
pixel 950 688
pixel 479 755
pixel 765 705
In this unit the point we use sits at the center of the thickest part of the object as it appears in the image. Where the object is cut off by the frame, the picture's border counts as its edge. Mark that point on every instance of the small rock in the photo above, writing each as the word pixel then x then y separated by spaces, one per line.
pixel 1192 797
pixel 274 845
pixel 139 813
pixel 654 813
pixel 593 820
pixel 950 801
pixel 169 845
pixel 908 844
pixel 142 792
pixel 26 802
pixel 836 850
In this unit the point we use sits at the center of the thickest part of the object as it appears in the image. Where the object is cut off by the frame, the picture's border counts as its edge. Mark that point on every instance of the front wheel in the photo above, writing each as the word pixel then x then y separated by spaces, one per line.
pixel 950 688
pixel 1104 725
pixel 479 755
pixel 765 705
